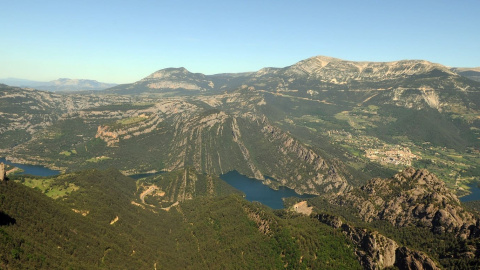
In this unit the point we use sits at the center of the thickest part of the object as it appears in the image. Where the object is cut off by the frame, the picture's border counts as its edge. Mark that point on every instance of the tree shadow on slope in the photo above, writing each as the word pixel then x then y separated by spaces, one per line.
pixel 6 220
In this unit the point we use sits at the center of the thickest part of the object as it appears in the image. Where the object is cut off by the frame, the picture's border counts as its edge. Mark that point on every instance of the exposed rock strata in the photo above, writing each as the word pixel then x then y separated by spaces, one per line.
pixel 226 138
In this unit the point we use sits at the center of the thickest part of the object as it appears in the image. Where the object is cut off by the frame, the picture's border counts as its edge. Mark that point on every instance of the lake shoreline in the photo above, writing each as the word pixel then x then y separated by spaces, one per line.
pixel 255 190
pixel 31 169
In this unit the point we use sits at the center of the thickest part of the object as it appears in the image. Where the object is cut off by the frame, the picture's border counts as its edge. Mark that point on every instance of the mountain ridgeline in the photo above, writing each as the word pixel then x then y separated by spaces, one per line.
pixel 325 78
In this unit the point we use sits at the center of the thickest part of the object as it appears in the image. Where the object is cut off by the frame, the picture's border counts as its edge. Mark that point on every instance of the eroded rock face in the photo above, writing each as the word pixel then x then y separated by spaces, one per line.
pixel 411 198
pixel 408 259
pixel 376 251
pixel 330 220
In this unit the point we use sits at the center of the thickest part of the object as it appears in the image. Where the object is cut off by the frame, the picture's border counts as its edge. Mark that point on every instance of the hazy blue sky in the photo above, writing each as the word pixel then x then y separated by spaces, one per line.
pixel 124 41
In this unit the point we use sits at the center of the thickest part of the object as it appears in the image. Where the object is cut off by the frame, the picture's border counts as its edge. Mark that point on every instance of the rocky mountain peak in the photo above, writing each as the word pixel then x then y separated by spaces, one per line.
pixel 312 65
pixel 168 72
pixel 413 179
pixel 171 79
pixel 341 71
pixel 319 60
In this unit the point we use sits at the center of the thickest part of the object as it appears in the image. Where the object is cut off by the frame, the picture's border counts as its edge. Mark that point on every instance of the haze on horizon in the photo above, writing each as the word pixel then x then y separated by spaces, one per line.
pixel 124 41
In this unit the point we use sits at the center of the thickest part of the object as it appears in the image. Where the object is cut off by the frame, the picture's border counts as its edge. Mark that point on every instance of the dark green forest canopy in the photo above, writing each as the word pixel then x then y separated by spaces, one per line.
pixel 205 232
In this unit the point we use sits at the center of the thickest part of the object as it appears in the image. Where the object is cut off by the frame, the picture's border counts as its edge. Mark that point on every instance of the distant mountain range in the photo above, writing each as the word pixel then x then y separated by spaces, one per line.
pixel 310 74
pixel 62 84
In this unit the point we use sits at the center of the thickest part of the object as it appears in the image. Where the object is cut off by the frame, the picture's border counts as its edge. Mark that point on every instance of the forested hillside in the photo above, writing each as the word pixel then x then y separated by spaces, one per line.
pixel 105 224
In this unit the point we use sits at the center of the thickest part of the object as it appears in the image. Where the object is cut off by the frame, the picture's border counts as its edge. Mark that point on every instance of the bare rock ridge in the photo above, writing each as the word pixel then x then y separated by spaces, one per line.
pixel 376 251
pixel 412 198
pixel 379 252
pixel 340 71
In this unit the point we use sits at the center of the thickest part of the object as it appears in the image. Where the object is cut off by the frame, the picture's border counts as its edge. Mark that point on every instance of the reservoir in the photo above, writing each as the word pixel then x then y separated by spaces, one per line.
pixel 32 169
pixel 256 191
pixel 475 195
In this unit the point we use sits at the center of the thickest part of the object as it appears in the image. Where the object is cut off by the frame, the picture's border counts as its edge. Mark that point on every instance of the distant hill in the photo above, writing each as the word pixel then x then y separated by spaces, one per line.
pixel 471 73
pixel 62 84
pixel 170 80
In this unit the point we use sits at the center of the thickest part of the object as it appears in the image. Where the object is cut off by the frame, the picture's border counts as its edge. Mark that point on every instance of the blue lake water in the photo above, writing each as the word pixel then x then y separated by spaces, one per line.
pixel 32 169
pixel 256 191
pixel 475 195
